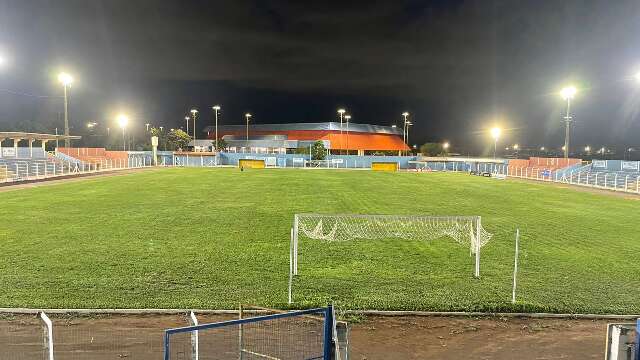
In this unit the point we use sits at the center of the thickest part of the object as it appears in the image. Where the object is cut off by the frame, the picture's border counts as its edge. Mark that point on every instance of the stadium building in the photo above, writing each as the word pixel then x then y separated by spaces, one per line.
pixel 356 139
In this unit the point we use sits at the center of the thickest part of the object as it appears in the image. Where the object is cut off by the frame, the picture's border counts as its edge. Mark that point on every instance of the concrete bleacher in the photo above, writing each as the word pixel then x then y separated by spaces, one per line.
pixel 17 169
pixel 96 157
pixel 615 175
pixel 541 168
pixel 608 174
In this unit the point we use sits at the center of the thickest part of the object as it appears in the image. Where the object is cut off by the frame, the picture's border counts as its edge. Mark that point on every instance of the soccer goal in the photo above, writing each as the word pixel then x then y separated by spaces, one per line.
pixel 465 230
pixel 304 334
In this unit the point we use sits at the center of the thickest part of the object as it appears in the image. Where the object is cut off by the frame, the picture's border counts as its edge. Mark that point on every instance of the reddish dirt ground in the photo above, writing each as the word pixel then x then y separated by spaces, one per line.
pixel 140 337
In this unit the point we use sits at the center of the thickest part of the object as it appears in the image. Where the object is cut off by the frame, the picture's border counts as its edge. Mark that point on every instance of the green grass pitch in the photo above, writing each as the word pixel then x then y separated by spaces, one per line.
pixel 213 238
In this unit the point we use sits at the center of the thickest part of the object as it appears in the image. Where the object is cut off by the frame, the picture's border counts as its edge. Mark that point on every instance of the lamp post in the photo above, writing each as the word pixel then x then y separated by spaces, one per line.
pixel 341 113
pixel 194 113
pixel 216 108
pixel 567 93
pixel 123 120
pixel 66 80
pixel 147 125
pixel 247 116
pixel 445 146
pixel 347 118
pixel 495 134
pixel 187 119
pixel 404 131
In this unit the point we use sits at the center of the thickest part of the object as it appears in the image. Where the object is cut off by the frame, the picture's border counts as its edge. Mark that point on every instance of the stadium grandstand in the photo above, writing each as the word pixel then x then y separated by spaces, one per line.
pixel 26 162
pixel 348 139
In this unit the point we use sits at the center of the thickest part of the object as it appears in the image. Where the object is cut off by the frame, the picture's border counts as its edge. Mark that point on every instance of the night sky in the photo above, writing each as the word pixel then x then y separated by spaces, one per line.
pixel 458 67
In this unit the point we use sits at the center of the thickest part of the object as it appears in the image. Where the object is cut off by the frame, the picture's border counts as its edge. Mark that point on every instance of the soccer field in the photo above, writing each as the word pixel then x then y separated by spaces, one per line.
pixel 214 238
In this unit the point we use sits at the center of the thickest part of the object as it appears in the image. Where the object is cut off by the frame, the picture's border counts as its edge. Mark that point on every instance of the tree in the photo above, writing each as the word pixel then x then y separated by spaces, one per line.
pixel 162 138
pixel 318 152
pixel 178 139
pixel 432 149
pixel 222 145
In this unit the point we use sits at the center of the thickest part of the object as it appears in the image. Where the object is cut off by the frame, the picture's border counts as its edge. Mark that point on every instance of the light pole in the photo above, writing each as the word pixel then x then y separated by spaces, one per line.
pixel 187 119
pixel 147 125
pixel 404 129
pixel 247 116
pixel 194 112
pixel 341 112
pixel 409 124
pixel 66 80
pixel 567 93
pixel 216 108
pixel 495 134
pixel 123 120
pixel 347 117
pixel 445 146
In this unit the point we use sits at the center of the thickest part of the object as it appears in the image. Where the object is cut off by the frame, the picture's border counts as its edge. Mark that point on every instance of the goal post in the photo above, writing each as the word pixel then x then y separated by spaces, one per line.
pixel 465 230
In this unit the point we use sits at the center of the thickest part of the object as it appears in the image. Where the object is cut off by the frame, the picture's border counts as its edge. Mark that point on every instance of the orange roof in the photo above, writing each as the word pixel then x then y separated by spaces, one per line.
pixel 352 141
pixel 360 141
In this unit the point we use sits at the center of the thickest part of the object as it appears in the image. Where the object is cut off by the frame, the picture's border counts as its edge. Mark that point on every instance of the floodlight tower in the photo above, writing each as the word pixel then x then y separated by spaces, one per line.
pixel 495 134
pixel 404 129
pixel 341 113
pixel 567 93
pixel 347 117
pixel 194 112
pixel 247 116
pixel 66 80
pixel 123 120
pixel 216 108
pixel 187 119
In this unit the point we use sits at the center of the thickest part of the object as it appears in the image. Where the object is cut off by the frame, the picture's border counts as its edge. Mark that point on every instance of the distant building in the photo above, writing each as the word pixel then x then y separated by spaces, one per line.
pixel 360 139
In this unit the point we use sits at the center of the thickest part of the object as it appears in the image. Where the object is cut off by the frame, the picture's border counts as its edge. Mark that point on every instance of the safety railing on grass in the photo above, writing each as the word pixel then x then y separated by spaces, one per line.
pixel 581 176
pixel 15 170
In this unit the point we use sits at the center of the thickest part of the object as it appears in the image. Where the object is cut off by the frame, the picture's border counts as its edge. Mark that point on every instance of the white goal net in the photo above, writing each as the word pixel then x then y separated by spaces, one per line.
pixel 465 230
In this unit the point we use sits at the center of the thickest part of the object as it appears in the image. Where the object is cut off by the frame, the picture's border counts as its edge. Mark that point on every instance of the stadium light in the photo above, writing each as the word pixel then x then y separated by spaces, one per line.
pixel 216 108
pixel 123 121
pixel 66 80
pixel 247 116
pixel 567 93
pixel 516 146
pixel 445 146
pixel 587 148
pixel 194 113
pixel 405 134
pixel 341 113
pixel 347 117
pixel 495 134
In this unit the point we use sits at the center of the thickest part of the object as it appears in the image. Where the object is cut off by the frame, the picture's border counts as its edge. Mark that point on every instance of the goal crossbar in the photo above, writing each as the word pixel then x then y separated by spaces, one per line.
pixel 465 230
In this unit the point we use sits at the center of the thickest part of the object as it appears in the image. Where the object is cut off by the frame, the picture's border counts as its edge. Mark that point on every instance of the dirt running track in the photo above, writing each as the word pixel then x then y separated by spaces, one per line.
pixel 140 337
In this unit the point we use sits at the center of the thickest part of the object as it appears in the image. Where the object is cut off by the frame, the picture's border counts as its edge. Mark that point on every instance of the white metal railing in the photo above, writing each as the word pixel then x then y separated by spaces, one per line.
pixel 15 170
pixel 582 176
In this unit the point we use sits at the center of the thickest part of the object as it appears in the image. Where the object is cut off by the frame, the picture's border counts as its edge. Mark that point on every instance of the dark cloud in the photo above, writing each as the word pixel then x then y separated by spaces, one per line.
pixel 456 65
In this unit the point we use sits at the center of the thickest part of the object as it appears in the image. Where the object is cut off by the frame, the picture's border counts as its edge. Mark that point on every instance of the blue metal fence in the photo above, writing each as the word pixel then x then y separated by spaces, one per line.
pixel 265 336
